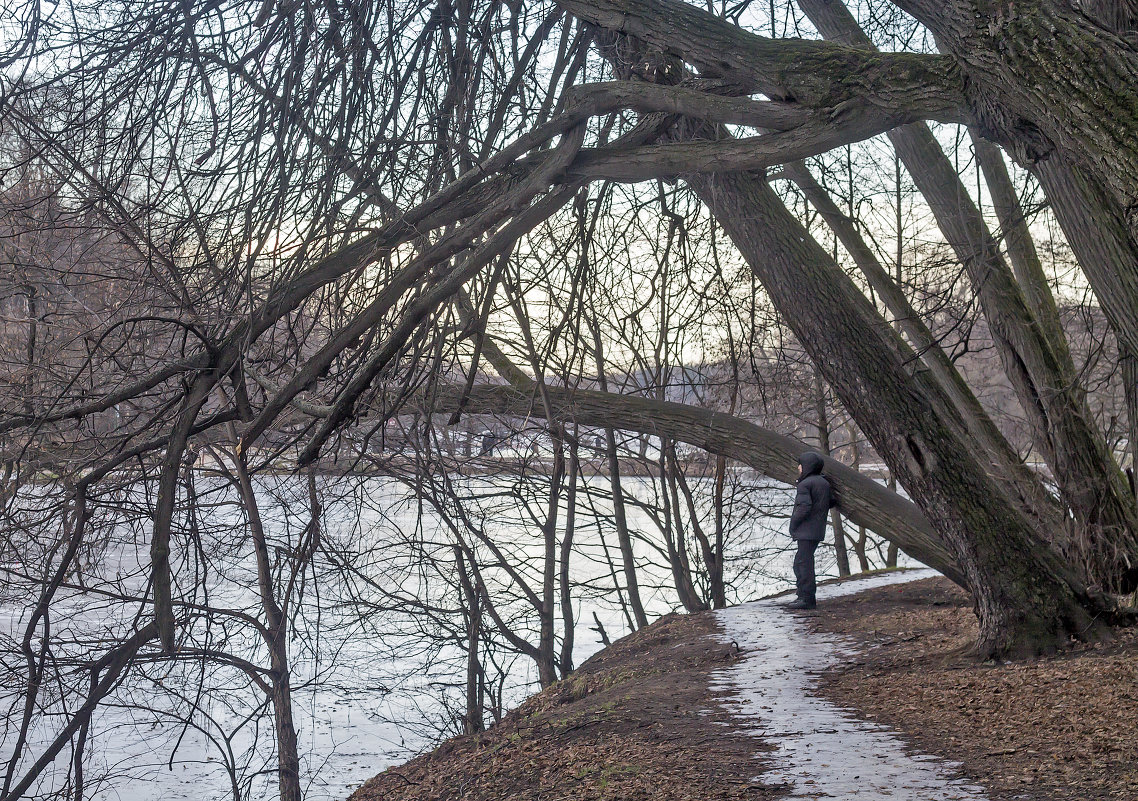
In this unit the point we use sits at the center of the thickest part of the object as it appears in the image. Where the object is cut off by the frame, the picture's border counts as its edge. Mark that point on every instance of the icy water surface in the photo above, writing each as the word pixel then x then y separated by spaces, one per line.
pixel 365 696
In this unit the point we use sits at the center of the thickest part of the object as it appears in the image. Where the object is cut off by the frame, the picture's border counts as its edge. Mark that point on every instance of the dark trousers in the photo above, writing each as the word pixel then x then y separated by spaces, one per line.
pixel 804 580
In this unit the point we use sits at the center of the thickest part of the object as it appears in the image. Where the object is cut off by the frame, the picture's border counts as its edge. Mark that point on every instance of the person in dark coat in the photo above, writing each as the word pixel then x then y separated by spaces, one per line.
pixel 808 525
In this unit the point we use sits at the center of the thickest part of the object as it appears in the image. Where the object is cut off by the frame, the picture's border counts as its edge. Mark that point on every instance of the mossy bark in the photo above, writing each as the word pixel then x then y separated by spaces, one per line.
pixel 1033 353
pixel 1058 88
pixel 1028 601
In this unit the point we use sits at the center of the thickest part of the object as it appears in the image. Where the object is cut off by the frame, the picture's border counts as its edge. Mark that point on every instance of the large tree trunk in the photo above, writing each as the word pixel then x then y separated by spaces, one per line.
pixel 1035 500
pixel 1047 387
pixel 1026 598
pixel 1018 243
pixel 1059 90
pixel 783 69
pixel 1107 255
pixel 1044 379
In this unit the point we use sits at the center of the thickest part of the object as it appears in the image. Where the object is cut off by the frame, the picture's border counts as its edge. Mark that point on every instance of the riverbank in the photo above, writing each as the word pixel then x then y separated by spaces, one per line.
pixel 648 717
pixel 637 720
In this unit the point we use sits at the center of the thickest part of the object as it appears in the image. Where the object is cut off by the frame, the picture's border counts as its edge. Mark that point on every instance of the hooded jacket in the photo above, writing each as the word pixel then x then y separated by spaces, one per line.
pixel 813 501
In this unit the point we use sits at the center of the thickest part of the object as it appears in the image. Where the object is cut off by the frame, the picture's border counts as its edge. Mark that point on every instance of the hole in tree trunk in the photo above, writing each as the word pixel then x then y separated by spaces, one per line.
pixel 923 461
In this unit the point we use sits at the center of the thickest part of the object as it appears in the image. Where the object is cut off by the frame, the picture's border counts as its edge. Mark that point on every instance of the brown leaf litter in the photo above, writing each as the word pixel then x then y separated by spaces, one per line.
pixel 1063 727
pixel 636 721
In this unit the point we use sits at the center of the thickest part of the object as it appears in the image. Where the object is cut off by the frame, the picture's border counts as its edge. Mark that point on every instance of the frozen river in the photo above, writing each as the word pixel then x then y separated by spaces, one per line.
pixel 368 693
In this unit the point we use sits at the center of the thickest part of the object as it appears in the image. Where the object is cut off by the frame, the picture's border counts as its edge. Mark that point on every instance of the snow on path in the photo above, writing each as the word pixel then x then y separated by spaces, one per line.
pixel 820 751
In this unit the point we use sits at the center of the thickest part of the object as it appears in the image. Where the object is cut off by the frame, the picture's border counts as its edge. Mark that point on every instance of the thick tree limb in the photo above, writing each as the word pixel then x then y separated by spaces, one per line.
pixel 810 72
pixel 1043 376
pixel 864 501
pixel 603 98
pixel 853 122
pixel 1005 462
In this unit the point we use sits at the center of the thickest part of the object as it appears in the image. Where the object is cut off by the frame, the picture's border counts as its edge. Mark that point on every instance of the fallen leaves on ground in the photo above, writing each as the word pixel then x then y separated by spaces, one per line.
pixel 1060 727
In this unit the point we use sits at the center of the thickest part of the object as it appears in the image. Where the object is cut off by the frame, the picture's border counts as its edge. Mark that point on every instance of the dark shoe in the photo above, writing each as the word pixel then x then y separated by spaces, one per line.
pixel 801 604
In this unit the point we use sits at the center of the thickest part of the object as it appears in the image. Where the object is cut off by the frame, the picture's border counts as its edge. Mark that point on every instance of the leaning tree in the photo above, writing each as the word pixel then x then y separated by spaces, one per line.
pixel 321 200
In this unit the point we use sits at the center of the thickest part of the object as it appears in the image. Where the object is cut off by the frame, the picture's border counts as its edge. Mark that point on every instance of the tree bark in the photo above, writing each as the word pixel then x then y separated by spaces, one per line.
pixel 1057 86
pixel 620 517
pixel 1035 499
pixel 674 536
pixel 712 557
pixel 1020 248
pixel 717 581
pixel 1026 598
pixel 1044 379
pixel 472 720
pixel 567 619
pixel 276 640
pixel 1046 385
pixel 1099 236
pixel 1128 362
pixel 1047 80
pixel 805 71
pixel 547 656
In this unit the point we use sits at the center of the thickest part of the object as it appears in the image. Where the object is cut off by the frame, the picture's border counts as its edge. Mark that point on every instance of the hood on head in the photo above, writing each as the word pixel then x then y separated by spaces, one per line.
pixel 811 463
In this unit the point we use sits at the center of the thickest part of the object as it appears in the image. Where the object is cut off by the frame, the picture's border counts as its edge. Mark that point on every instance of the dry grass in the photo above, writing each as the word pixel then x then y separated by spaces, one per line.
pixel 634 722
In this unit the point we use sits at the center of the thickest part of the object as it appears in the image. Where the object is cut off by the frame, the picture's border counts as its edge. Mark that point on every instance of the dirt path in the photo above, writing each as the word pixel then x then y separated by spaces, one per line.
pixel 677 713
pixel 819 749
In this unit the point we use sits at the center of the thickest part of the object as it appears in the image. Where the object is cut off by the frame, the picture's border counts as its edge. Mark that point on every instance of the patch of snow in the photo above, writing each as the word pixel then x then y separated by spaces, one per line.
pixel 820 751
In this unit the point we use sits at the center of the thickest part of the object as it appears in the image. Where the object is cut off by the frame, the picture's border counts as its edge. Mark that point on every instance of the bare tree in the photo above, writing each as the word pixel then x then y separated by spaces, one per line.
pixel 302 224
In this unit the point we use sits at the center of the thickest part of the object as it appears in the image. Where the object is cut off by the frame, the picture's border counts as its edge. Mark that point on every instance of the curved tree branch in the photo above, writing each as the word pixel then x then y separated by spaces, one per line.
pixel 775 455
